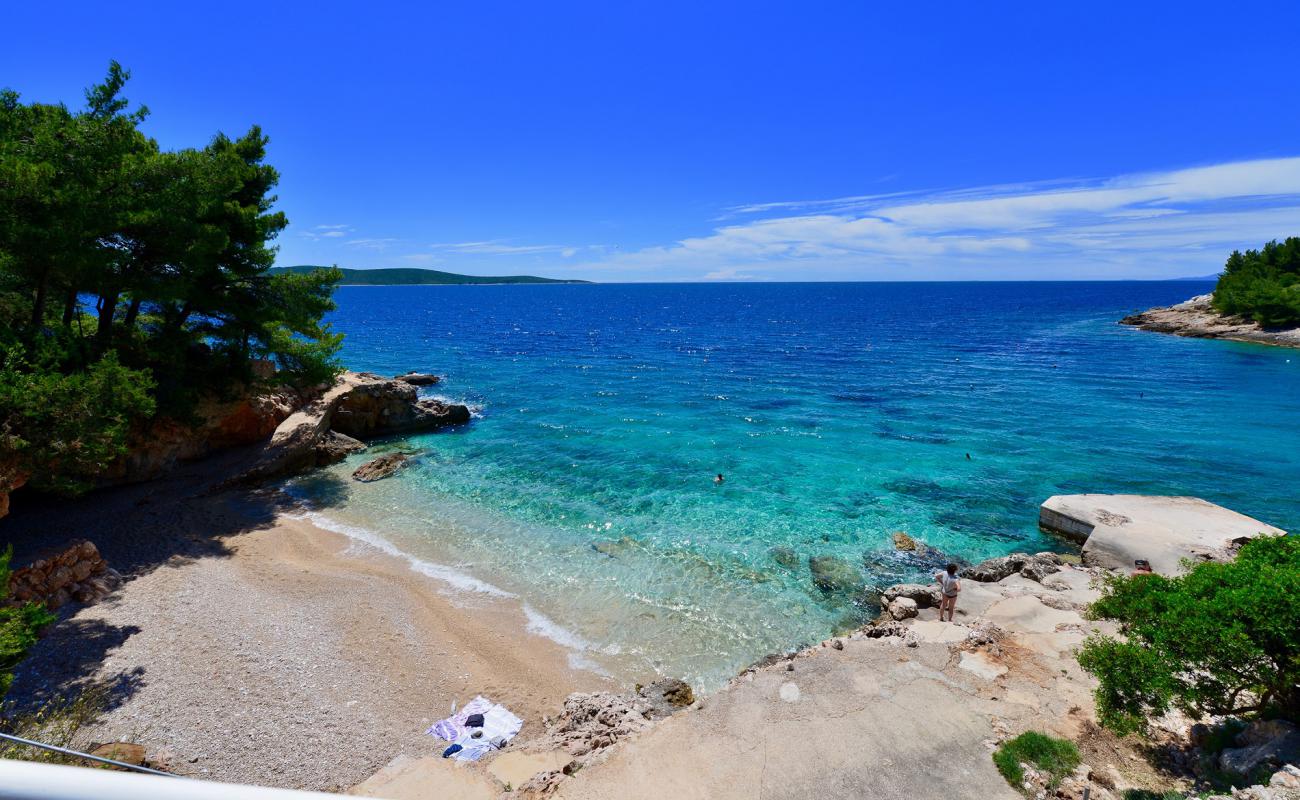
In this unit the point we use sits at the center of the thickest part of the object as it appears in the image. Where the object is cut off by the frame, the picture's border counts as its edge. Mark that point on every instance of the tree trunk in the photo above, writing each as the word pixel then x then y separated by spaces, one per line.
pixel 107 307
pixel 132 312
pixel 38 303
pixel 69 307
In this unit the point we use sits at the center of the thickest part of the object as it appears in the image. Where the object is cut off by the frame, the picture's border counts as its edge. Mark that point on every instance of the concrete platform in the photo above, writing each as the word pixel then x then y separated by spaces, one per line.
pixel 1117 529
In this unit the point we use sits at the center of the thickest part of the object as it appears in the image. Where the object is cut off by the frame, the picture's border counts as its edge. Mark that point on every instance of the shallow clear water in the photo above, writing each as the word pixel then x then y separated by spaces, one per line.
pixel 839 413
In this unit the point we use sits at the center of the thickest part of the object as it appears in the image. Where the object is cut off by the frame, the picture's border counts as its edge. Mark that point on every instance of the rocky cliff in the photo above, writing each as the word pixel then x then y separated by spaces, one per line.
pixel 289 429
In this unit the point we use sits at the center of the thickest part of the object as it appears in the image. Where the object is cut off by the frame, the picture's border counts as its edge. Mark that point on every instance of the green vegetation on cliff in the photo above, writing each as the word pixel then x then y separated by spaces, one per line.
pixel 412 276
pixel 1222 639
pixel 1263 284
pixel 134 280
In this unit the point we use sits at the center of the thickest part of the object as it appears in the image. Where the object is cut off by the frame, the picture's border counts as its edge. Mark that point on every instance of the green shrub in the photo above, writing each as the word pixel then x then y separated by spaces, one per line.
pixel 1223 639
pixel 18 627
pixel 1056 757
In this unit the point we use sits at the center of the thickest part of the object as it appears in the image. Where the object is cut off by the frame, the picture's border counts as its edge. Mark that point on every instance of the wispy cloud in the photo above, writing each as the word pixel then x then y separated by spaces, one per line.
pixel 372 244
pixel 1140 225
pixel 318 232
pixel 501 248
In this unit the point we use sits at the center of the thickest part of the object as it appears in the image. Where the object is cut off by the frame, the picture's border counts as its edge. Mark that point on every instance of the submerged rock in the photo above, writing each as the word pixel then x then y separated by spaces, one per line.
pixel 784 556
pixel 904 542
pixel 380 468
pixel 613 548
pixel 833 575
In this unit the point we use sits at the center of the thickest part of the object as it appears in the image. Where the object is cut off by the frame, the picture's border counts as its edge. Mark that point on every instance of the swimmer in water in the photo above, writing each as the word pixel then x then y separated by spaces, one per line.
pixel 718 480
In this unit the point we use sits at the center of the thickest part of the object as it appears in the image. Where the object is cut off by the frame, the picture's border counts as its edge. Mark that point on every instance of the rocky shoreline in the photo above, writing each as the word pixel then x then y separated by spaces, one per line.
pixel 276 431
pixel 1197 318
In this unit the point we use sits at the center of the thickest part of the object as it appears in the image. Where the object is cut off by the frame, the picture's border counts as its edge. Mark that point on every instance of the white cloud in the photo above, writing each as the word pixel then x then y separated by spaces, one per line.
pixel 499 248
pixel 318 232
pixel 371 244
pixel 1156 224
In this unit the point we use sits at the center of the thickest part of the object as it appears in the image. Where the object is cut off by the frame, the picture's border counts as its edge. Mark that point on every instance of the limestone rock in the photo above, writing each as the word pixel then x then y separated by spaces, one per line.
pixel 1286 778
pixel 1116 530
pixel 77 573
pixel 380 468
pixel 359 404
pixel 1035 567
pixel 1271 743
pixel 1197 318
pixel 418 379
pixel 833 575
pixel 923 595
pixel 595 720
pixel 901 608
pixel 666 696
pixel 382 408
pixel 126 752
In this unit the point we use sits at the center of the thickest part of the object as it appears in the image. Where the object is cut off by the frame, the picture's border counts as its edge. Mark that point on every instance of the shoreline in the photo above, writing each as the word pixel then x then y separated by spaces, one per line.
pixel 275 651
pixel 1196 318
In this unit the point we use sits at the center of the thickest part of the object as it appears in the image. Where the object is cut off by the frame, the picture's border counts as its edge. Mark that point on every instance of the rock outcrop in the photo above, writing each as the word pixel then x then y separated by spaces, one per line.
pixel 377 469
pixel 1117 529
pixel 158 446
pixel 1035 567
pixel 77 573
pixel 1197 318
pixel 418 379
pixel 375 406
pixel 358 405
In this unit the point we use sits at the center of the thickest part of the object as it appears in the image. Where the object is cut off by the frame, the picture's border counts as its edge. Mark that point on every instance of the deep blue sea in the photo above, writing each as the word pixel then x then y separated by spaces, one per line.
pixel 838 413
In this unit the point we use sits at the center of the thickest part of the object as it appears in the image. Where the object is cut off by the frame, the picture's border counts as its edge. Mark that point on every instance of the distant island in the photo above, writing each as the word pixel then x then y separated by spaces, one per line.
pixel 412 276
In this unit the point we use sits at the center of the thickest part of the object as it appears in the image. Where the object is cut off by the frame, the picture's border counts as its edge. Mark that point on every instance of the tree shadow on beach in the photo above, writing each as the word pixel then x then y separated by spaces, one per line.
pixel 64 662
pixel 184 515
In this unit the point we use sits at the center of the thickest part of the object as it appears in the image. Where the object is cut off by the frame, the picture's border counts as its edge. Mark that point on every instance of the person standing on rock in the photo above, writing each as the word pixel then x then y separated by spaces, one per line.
pixel 949 588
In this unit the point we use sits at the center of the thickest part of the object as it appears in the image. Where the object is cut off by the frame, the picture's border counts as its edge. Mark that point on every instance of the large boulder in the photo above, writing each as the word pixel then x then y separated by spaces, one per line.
pixel 901 608
pixel 380 407
pixel 833 575
pixel 666 696
pixel 1266 743
pixel 358 405
pixel 923 595
pixel 380 468
pixel 418 379
pixel 1118 529
pixel 1035 567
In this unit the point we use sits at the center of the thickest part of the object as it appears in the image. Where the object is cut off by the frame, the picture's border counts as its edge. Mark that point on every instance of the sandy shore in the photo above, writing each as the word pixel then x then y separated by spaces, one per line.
pixel 251 646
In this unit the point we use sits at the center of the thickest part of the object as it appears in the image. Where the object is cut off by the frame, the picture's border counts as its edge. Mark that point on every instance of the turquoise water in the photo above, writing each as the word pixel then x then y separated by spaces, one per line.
pixel 839 413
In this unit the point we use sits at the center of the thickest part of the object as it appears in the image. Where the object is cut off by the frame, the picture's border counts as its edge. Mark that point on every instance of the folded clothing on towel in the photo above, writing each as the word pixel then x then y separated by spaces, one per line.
pixel 499 727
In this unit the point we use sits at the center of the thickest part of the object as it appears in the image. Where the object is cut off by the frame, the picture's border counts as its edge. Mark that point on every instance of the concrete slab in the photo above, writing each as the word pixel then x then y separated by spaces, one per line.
pixel 1117 529
pixel 428 778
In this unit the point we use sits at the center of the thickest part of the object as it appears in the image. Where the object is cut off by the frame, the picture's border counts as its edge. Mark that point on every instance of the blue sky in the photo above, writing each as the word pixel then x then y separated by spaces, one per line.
pixel 726 141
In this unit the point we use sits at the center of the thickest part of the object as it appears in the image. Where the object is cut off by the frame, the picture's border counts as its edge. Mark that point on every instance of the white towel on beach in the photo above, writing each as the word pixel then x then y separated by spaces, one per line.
pixel 499 725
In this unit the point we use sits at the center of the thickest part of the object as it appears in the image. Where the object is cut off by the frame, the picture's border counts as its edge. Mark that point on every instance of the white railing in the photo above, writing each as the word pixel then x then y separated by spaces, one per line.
pixel 27 780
